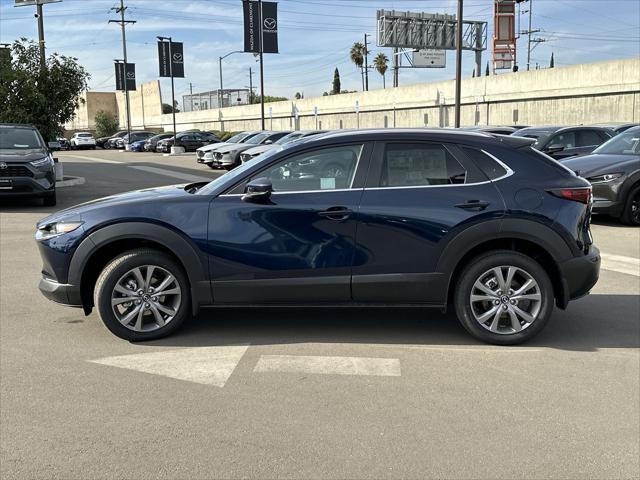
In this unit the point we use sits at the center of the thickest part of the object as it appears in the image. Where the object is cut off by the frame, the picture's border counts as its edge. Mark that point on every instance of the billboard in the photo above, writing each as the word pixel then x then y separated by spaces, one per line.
pixel 260 27
pixel 428 58
pixel 428 31
pixel 125 77
pixel 504 35
pixel 171 59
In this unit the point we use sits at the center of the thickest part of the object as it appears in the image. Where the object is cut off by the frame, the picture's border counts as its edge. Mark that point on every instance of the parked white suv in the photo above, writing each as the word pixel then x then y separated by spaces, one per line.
pixel 82 140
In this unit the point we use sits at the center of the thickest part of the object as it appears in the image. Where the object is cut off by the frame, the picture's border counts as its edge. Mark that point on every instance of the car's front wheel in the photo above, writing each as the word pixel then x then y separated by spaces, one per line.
pixel 631 212
pixel 504 297
pixel 142 295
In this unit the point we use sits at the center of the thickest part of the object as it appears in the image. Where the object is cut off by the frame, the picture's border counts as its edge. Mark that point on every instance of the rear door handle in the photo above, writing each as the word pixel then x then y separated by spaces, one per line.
pixel 473 205
pixel 336 213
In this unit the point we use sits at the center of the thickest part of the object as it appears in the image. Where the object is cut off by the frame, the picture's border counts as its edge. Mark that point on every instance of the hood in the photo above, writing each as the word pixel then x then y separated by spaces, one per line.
pixel 21 156
pixel 214 146
pixel 234 148
pixel 601 163
pixel 148 194
pixel 260 149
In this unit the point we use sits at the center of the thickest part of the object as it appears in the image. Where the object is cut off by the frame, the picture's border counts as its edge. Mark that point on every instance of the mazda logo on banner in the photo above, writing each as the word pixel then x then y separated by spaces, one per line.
pixel 125 76
pixel 171 59
pixel 260 26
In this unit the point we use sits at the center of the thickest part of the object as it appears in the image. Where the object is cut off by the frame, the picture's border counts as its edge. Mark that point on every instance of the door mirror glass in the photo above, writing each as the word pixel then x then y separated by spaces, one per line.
pixel 258 190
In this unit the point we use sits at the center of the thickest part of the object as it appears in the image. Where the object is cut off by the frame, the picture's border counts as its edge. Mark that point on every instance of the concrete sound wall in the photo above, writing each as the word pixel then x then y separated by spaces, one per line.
pixel 145 104
pixel 585 93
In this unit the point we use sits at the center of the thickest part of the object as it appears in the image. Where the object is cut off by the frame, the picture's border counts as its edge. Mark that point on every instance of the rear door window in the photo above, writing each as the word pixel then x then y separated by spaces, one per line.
pixel 587 138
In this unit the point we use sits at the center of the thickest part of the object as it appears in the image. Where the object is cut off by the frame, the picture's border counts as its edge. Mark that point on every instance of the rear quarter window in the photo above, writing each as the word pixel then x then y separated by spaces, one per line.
pixel 488 165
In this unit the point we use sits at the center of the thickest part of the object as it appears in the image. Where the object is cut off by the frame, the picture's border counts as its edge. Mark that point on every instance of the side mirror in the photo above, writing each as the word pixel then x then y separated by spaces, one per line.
pixel 268 142
pixel 258 190
pixel 556 147
pixel 53 146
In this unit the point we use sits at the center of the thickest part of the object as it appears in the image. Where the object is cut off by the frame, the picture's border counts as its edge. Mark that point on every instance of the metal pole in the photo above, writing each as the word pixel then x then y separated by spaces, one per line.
pixel 124 55
pixel 366 64
pixel 396 68
pixel 529 36
pixel 173 92
pixel 458 64
pixel 261 68
pixel 41 36
pixel 250 86
pixel 220 98
pixel 190 97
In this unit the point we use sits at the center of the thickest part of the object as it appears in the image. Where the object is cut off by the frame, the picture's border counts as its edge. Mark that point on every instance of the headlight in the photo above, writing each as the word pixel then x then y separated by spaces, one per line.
pixel 607 177
pixel 43 162
pixel 51 230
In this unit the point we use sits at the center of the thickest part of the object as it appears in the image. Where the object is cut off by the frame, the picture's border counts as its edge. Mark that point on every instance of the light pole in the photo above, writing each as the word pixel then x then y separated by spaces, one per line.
pixel 458 64
pixel 220 94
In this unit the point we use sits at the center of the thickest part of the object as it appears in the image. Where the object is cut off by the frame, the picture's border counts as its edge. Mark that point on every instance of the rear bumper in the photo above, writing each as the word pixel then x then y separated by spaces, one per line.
pixel 579 275
pixel 59 292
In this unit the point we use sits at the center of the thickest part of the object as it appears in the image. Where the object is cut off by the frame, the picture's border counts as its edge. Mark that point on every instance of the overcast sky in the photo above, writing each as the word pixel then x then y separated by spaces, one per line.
pixel 315 37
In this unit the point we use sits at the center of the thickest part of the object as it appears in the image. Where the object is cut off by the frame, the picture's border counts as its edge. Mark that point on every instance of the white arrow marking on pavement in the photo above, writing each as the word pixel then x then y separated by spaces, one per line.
pixel 204 365
pixel 382 367
pixel 172 173
pixel 621 264
pixel 93 159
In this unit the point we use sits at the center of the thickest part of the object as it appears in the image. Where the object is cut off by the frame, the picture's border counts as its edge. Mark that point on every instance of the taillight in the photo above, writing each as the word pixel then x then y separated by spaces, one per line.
pixel 581 194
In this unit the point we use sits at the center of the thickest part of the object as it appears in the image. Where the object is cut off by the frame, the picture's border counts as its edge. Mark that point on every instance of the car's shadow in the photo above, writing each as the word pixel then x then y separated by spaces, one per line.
pixel 591 323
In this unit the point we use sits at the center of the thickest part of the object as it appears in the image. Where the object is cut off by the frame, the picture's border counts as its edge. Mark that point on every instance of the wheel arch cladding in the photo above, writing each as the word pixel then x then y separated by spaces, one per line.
pixel 115 239
pixel 531 238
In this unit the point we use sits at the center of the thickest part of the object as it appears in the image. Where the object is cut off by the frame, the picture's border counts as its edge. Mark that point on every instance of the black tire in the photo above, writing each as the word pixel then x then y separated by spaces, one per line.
pixel 475 270
pixel 631 213
pixel 118 267
pixel 49 200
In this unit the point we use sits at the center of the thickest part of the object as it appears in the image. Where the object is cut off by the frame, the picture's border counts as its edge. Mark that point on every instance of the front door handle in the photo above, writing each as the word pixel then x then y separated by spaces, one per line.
pixel 336 213
pixel 473 205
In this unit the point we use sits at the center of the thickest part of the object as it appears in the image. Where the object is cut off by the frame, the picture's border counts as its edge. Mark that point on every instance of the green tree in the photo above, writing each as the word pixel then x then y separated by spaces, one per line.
pixel 357 56
pixel 45 97
pixel 381 64
pixel 335 90
pixel 299 96
pixel 106 124
pixel 552 62
pixel 268 99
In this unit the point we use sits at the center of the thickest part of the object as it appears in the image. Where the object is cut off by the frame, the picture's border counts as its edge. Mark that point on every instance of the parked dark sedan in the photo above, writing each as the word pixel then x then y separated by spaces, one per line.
pixel 565 142
pixel 191 141
pixel 614 171
pixel 150 143
pixel 424 217
pixel 111 141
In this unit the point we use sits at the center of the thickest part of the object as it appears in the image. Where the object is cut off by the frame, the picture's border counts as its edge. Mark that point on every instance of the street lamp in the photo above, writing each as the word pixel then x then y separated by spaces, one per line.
pixel 220 97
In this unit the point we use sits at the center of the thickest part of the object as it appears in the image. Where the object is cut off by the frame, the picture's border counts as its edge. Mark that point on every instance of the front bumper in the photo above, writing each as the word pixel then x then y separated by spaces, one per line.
pixel 607 207
pixel 38 183
pixel 579 275
pixel 60 292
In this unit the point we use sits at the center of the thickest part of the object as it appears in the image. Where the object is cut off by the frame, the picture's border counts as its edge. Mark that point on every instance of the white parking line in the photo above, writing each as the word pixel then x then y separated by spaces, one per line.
pixel 381 367
pixel 621 264
pixel 93 159
pixel 204 365
pixel 172 173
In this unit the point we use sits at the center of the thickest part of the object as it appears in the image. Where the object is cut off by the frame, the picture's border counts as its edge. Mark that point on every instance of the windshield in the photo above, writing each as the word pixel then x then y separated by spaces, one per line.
pixel 258 139
pixel 238 137
pixel 16 138
pixel 83 135
pixel 289 138
pixel 626 143
pixel 229 178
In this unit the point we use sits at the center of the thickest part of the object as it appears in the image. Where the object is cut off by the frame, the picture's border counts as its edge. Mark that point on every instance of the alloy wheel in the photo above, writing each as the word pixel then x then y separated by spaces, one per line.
pixel 505 300
pixel 635 209
pixel 146 298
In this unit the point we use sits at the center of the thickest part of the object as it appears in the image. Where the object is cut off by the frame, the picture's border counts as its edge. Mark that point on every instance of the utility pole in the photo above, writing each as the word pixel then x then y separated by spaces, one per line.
pixel 250 86
pixel 261 67
pixel 458 64
pixel 191 96
pixel 43 61
pixel 396 66
pixel 366 63
pixel 123 23
pixel 528 33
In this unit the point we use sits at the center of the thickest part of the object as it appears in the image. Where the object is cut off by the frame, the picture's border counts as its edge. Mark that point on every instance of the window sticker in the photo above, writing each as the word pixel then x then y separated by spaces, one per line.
pixel 327 183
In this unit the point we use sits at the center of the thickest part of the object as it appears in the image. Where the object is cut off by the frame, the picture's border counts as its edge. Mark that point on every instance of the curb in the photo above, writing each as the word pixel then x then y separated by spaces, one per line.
pixel 70 182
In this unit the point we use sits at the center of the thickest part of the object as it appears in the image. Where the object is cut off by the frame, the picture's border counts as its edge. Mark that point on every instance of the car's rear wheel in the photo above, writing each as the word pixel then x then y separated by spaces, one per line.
pixel 504 297
pixel 631 212
pixel 143 295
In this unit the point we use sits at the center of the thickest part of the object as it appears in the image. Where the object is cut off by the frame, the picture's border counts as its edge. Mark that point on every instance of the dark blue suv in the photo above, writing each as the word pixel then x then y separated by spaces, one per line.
pixel 374 217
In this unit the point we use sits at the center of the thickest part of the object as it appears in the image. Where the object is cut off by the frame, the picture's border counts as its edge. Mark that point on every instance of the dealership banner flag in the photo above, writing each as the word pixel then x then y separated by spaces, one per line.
pixel 171 57
pixel 260 26
pixel 125 76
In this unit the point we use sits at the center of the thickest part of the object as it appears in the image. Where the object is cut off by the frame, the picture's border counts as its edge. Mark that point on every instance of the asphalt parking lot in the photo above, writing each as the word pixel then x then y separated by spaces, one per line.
pixel 321 393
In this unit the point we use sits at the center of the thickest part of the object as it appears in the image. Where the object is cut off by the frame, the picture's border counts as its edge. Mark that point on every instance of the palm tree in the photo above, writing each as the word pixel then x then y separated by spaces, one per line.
pixel 380 63
pixel 357 56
